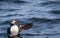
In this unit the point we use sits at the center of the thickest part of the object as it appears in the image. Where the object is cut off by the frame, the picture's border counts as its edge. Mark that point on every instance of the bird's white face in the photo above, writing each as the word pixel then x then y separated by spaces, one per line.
pixel 14 22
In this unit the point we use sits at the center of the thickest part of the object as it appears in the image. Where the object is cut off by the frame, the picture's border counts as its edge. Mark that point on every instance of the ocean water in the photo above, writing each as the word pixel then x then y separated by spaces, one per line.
pixel 44 14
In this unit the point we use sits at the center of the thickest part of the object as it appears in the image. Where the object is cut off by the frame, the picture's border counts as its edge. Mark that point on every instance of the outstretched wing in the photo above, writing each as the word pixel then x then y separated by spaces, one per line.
pixel 25 27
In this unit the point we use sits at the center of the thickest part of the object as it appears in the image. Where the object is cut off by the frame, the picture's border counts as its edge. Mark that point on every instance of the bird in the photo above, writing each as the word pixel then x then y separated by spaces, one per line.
pixel 14 29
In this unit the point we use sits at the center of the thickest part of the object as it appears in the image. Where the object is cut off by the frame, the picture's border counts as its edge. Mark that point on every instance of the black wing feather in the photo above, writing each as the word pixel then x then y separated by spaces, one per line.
pixel 8 30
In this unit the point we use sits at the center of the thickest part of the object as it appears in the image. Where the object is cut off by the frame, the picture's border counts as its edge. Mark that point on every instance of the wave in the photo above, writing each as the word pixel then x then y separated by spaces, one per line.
pixel 20 2
pixel 55 11
pixel 9 9
pixel 8 15
pixel 49 3
pixel 15 1
pixel 42 34
pixel 44 20
pixel 5 22
pixel 2 34
pixel 1 0
pixel 9 0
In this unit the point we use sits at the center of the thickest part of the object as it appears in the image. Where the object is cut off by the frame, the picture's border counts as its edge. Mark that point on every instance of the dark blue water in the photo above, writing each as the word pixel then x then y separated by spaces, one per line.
pixel 44 14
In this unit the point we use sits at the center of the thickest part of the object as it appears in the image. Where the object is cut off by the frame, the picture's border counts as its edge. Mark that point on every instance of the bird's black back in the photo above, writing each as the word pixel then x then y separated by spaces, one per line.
pixel 8 30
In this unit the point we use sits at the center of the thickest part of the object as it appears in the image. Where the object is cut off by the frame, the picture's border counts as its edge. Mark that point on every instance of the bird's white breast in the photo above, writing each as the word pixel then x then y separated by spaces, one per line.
pixel 14 30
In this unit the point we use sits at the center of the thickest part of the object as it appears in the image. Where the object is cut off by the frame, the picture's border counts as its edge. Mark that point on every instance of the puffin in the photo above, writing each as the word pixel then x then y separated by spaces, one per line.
pixel 14 29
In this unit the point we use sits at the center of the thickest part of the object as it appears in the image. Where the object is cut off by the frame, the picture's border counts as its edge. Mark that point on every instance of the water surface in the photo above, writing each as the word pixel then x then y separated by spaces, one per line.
pixel 44 14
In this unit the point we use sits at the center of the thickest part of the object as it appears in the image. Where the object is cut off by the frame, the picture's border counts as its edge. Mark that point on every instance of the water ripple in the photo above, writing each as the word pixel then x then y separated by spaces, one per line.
pixel 55 11
pixel 45 16
pixel 21 2
pixel 45 20
pixel 6 10
pixel 50 2
pixel 56 34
